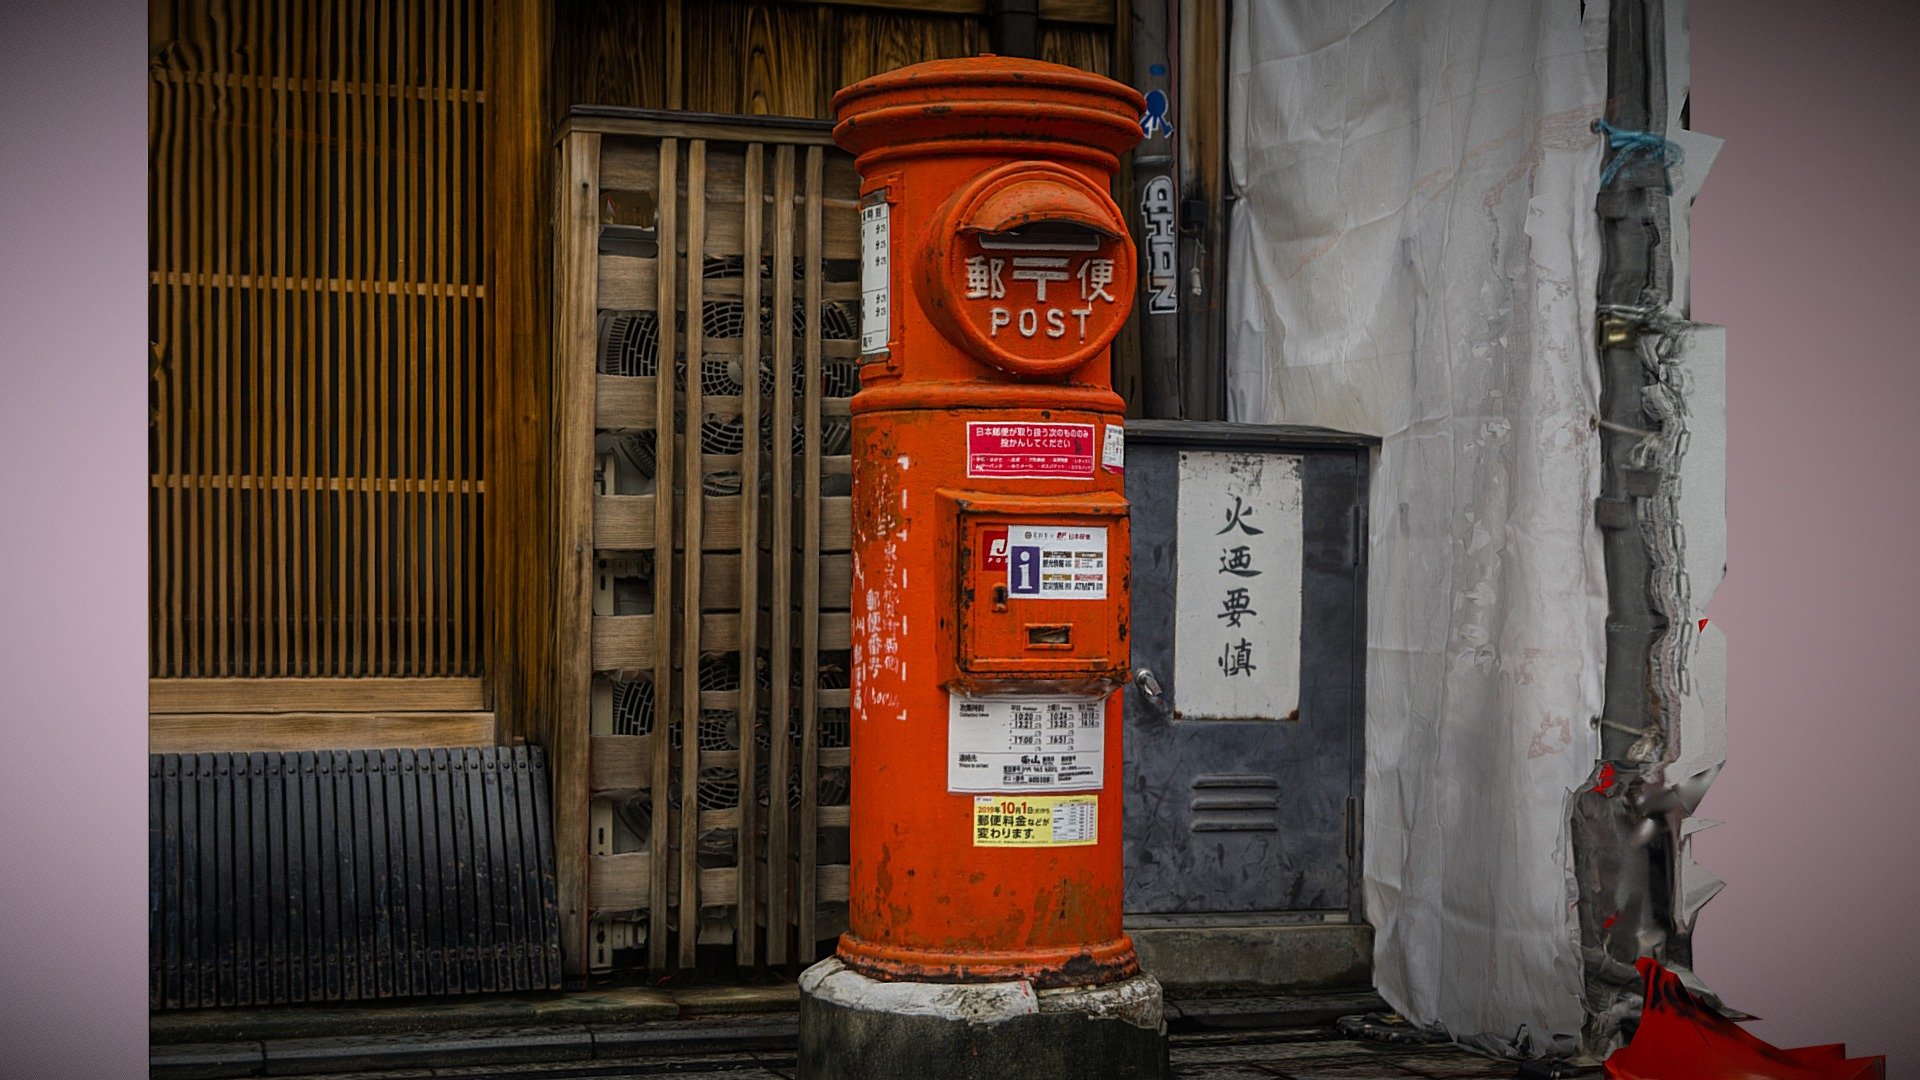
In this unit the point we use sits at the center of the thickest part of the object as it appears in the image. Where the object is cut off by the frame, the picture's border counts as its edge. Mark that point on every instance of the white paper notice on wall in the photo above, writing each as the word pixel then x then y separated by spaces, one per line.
pixel 1237 606
pixel 876 278
pixel 1025 744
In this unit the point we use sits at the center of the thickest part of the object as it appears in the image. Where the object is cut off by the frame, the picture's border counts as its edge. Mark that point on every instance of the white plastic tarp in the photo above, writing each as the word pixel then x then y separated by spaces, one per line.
pixel 1414 255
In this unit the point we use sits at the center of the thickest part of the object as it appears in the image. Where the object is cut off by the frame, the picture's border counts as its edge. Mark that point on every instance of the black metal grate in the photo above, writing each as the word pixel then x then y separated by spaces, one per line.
pixel 349 875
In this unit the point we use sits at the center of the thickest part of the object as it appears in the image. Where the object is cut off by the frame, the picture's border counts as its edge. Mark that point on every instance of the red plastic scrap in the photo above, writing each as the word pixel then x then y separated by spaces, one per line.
pixel 1682 1037
pixel 1603 783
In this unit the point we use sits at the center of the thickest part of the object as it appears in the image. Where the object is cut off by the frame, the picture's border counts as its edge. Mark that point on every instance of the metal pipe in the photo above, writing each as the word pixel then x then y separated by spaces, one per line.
pixel 1013 28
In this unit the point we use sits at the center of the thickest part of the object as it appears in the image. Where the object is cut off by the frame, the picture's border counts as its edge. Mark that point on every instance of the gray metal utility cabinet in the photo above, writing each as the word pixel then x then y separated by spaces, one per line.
pixel 1244 724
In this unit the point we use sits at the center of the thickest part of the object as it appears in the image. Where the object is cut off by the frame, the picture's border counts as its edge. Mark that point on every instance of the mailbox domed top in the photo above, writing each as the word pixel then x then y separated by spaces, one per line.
pixel 992 100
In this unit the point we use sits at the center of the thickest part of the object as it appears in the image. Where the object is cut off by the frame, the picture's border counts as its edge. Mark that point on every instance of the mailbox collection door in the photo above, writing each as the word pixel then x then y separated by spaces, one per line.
pixel 1243 774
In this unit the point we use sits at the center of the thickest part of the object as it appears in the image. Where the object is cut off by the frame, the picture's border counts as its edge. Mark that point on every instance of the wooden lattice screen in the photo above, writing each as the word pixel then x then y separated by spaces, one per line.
pixel 317 311
pixel 709 669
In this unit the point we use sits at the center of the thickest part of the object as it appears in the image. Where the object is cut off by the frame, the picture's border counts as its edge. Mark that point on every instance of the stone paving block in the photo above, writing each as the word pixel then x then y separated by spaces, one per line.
pixel 206 1061
pixel 293 1057
pixel 1267 1011
pixel 742 1035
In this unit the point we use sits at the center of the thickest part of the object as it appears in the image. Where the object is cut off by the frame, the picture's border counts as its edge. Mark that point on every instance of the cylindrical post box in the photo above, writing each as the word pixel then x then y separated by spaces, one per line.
pixel 990 608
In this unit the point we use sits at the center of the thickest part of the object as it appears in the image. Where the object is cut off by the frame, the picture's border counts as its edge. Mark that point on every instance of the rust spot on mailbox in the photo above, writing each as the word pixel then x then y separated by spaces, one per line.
pixel 990 543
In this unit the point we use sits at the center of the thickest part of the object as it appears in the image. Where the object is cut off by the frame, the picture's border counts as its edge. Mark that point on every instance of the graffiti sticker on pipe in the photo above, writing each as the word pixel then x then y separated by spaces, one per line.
pixel 1036 820
pixel 1025 744
pixel 1023 451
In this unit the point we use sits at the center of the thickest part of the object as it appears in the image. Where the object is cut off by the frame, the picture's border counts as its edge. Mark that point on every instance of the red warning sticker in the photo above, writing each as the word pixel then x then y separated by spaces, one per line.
pixel 1030 451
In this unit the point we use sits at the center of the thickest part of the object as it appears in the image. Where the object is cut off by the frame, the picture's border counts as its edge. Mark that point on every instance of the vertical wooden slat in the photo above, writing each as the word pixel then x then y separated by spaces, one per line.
pixel 675 48
pixel 159 578
pixel 471 141
pixel 779 760
pixel 186 228
pixel 810 571
pixel 437 575
pixel 222 262
pixel 312 343
pixel 263 302
pixel 329 553
pixel 690 610
pixel 576 270
pixel 352 261
pixel 380 438
pixel 171 225
pixel 283 128
pixel 404 148
pixel 666 236
pixel 749 708
pixel 251 302
pixel 465 531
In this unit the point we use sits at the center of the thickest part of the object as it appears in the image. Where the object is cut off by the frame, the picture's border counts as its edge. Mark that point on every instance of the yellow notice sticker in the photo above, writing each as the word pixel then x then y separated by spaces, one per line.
pixel 1035 820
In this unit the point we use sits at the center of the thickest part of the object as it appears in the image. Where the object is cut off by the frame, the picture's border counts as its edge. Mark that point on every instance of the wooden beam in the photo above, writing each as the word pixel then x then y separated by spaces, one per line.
pixel 372 695
pixel 1100 12
pixel 580 640
pixel 206 733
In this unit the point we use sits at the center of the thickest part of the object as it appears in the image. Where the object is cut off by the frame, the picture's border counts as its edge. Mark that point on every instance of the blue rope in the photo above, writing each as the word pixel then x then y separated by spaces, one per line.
pixel 1626 143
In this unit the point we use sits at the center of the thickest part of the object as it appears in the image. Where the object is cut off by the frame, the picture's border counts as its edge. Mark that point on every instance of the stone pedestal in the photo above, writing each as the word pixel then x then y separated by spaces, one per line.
pixel 856 1028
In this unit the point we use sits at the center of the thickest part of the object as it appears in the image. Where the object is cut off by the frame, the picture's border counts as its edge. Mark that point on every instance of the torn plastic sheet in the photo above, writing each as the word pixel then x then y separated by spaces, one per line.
pixel 1680 1035
pixel 1415 255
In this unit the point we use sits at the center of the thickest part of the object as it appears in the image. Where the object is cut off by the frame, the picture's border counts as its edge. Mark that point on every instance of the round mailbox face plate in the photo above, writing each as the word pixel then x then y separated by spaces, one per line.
pixel 1041 298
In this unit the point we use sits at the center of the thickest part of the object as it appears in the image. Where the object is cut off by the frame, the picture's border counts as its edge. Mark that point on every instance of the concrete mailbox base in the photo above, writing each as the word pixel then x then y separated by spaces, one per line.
pixel 858 1028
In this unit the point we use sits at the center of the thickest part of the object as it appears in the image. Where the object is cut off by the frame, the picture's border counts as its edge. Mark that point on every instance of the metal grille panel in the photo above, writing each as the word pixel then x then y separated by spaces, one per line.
pixel 349 875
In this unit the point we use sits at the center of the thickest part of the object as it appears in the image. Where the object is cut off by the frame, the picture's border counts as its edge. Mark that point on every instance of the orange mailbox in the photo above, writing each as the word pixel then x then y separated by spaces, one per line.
pixel 990 532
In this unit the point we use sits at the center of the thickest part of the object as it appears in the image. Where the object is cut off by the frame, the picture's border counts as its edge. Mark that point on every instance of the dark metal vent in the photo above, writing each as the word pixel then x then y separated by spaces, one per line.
pixel 349 876
pixel 1235 802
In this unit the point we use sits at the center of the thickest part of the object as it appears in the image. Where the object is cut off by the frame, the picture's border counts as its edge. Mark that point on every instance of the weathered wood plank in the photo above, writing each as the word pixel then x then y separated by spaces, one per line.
pixel 744 576
pixel 621 882
pixel 243 695
pixel 625 402
pixel 201 733
pixel 623 643
pixel 811 543
pixel 627 283
pixel 581 636
pixel 667 230
pixel 690 613
pixel 779 763
pixel 623 522
pixel 831 881
pixel 620 763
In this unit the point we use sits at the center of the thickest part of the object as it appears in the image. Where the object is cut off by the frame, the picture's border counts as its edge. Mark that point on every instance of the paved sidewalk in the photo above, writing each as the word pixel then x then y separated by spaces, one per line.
pixel 1316 1054
pixel 739 1033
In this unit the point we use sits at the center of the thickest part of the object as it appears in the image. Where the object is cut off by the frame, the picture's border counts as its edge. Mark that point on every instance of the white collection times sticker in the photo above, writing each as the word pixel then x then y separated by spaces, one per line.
pixel 1025 744
pixel 876 276
pixel 1050 562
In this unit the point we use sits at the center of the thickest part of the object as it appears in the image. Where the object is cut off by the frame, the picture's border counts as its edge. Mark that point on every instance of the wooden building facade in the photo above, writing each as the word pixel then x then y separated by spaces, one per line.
pixel 501 352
